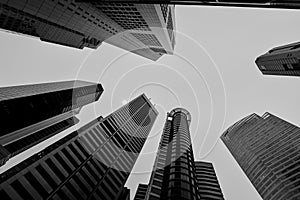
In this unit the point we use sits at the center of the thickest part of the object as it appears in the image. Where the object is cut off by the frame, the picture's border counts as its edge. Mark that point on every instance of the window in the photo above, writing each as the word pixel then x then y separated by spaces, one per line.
pixel 62 194
pixel 109 127
pixel 74 191
pixel 46 176
pixel 55 169
pixel 69 157
pixel 36 185
pixel 21 190
pixel 4 195
pixel 86 177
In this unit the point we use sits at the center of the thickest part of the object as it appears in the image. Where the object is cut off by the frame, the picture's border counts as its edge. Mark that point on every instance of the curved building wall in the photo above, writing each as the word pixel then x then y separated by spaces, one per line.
pixel 173 175
pixel 181 182
pixel 267 150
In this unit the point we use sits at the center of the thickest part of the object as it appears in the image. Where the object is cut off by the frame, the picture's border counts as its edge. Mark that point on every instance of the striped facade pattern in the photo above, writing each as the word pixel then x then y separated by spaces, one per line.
pixel 208 185
pixel 283 60
pixel 93 162
pixel 82 24
pixel 173 175
pixel 41 111
pixel 267 149
pixel 157 176
pixel 141 192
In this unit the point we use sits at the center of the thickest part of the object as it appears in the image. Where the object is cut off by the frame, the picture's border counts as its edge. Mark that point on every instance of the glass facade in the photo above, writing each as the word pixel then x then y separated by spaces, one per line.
pixel 87 24
pixel 39 111
pixel 93 162
pixel 283 60
pixel 174 174
pixel 29 104
pixel 266 148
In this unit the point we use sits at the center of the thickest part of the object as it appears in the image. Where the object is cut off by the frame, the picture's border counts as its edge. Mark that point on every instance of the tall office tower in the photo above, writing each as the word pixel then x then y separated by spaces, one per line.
pixel 147 30
pixel 93 162
pixel 174 174
pixel 141 192
pixel 267 150
pixel 208 184
pixel 283 60
pixel 31 114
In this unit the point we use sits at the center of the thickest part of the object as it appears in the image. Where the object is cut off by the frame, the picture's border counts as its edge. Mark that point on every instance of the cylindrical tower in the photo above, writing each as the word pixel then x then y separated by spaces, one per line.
pixel 173 175
pixel 180 174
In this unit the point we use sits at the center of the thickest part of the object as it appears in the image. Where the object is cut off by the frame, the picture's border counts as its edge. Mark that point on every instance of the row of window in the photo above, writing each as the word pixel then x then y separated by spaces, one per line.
pixel 127 17
pixel 27 142
pixel 55 170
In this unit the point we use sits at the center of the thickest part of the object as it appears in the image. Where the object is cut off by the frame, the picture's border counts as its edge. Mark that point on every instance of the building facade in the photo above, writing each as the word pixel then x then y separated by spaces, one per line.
pixel 267 149
pixel 174 174
pixel 31 114
pixel 279 4
pixel 283 61
pixel 208 184
pixel 146 30
pixel 93 162
pixel 141 192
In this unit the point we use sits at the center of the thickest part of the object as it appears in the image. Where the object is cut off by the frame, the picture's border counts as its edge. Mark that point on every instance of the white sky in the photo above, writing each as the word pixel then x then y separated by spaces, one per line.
pixel 212 74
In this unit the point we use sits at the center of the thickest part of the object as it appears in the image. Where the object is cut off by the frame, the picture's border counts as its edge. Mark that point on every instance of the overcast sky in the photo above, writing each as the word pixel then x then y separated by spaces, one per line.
pixel 212 74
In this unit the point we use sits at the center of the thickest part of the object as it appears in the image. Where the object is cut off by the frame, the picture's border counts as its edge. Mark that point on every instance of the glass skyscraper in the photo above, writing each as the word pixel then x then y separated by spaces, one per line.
pixel 146 30
pixel 174 174
pixel 32 113
pixel 279 4
pixel 282 61
pixel 93 162
pixel 267 149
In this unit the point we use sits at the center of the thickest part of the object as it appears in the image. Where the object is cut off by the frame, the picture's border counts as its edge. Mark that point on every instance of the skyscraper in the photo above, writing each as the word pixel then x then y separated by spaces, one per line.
pixel 32 113
pixel 93 162
pixel 208 184
pixel 283 60
pixel 267 149
pixel 147 30
pixel 174 174
pixel 279 4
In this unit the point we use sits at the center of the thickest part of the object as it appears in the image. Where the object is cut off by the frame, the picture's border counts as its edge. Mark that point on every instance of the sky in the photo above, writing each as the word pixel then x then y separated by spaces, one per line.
pixel 212 74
